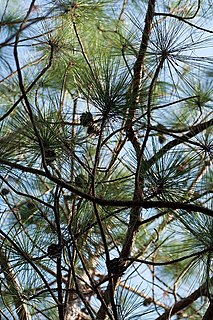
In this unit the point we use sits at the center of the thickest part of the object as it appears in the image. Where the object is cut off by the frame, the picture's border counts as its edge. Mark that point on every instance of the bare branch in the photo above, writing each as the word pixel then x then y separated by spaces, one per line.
pixel 185 302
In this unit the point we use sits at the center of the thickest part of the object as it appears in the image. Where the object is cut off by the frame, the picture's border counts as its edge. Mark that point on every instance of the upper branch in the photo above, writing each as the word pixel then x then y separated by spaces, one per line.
pixel 139 64
pixel 184 138
pixel 184 20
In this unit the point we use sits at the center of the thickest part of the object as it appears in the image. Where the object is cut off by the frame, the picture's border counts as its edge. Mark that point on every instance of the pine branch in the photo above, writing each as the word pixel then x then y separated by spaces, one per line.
pixel 135 86
pixel 138 76
pixel 139 64
pixel 30 261
pixel 114 203
pixel 92 282
pixel 140 293
pixel 165 263
pixel 184 138
pixel 184 20
pixel 209 312
pixel 186 302
pixel 13 287
pixel 59 261
pixel 139 181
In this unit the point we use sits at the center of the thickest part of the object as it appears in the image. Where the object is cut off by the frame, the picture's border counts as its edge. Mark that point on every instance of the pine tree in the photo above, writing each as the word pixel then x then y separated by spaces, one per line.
pixel 106 160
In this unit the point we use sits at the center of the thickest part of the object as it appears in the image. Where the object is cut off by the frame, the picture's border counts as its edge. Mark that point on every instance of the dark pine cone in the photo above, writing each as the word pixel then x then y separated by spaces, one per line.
pixel 54 250
pixel 50 155
pixel 86 119
pixel 92 129
pixel 116 266
pixel 5 191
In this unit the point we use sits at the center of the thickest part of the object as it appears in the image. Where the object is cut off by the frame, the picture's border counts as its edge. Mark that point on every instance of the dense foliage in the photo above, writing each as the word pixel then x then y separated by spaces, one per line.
pixel 106 159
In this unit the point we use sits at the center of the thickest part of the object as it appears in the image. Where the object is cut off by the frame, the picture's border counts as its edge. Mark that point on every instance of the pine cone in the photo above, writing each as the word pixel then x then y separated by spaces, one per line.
pixel 54 250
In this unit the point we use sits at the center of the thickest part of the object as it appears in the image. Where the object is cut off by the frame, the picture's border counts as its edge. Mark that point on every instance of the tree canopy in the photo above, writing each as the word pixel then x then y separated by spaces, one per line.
pixel 106 143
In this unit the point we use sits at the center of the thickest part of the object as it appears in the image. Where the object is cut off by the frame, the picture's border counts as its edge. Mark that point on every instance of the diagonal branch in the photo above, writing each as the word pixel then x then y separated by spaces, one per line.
pixel 209 312
pixel 184 20
pixel 22 87
pixel 30 86
pixel 184 138
pixel 29 260
pixel 166 263
pixel 185 302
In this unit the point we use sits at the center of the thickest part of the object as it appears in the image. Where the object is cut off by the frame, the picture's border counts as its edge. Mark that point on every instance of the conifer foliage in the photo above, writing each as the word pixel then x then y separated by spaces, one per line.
pixel 106 173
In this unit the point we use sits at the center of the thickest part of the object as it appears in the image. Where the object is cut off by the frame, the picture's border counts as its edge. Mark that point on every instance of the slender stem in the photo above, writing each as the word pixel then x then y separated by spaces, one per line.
pixel 29 260
pixel 184 20
pixel 60 241
pixel 139 173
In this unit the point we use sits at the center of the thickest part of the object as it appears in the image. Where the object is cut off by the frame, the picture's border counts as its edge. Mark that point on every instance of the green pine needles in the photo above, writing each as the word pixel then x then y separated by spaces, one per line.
pixel 106 147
